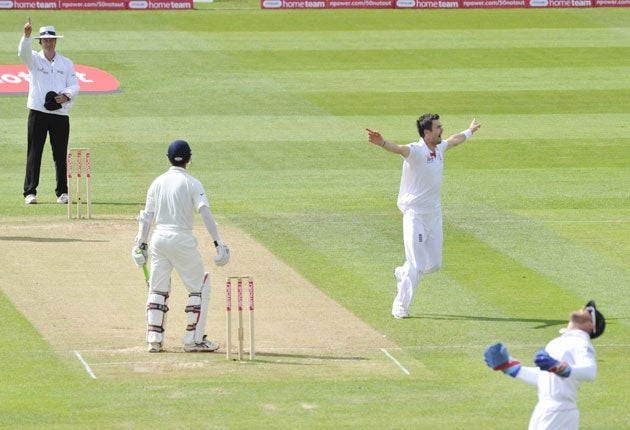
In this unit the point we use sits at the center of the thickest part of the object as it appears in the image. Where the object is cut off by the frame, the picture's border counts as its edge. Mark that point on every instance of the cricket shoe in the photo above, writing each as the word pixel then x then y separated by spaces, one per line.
pixel 155 347
pixel 30 199
pixel 400 313
pixel 63 199
pixel 401 316
pixel 204 346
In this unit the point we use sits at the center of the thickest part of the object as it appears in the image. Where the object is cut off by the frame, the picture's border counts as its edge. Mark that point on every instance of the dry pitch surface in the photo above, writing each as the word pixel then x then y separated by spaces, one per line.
pixel 76 283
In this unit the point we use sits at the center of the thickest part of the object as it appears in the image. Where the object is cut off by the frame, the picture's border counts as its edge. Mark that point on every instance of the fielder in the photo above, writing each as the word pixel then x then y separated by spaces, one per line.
pixel 171 202
pixel 565 362
pixel 420 202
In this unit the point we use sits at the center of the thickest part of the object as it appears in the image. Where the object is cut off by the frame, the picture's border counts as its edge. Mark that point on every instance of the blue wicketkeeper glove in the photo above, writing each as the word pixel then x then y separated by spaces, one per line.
pixel 550 364
pixel 497 357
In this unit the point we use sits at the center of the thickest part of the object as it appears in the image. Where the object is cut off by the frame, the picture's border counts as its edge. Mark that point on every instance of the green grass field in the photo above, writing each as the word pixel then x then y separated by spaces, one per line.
pixel 274 104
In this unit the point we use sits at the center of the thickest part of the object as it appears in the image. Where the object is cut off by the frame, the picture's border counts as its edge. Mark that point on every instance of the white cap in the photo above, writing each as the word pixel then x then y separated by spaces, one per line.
pixel 47 33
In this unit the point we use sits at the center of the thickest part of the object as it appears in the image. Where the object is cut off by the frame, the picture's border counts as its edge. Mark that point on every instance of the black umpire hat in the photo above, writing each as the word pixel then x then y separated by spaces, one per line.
pixel 599 322
pixel 51 103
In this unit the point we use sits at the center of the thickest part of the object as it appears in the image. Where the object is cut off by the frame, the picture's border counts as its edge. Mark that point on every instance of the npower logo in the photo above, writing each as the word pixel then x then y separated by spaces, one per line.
pixel 539 3
pixel 14 79
pixel 6 4
pixel 272 4
pixel 406 3
pixel 138 4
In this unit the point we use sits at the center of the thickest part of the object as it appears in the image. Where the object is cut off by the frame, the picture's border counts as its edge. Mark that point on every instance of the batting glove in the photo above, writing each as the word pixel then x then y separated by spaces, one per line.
pixel 497 357
pixel 550 364
pixel 223 253
pixel 139 254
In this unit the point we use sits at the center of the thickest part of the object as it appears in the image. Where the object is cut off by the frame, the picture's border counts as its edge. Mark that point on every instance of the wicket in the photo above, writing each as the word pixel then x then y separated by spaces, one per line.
pixel 78 152
pixel 228 311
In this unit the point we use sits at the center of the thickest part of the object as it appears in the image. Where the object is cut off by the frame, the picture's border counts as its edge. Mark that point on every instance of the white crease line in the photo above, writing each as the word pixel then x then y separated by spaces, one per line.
pixel 395 361
pixel 87 366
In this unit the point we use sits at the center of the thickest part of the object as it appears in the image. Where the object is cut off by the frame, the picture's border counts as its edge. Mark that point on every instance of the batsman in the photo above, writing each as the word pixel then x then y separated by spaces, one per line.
pixel 172 200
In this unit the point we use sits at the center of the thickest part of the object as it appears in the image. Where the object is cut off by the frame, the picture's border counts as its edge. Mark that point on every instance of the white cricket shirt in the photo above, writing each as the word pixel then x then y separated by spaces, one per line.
pixel 575 348
pixel 421 181
pixel 174 196
pixel 57 75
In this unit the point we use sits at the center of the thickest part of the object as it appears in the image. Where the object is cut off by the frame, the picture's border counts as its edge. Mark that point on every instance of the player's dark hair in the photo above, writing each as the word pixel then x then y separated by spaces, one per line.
pixel 425 122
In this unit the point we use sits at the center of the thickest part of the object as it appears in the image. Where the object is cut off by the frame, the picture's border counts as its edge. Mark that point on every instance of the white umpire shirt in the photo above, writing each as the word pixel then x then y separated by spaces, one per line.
pixel 57 75
pixel 173 197
pixel 421 181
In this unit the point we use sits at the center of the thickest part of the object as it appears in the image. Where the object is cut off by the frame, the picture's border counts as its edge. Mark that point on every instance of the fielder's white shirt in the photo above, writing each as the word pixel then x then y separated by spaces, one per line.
pixel 173 197
pixel 557 394
pixel 57 75
pixel 575 348
pixel 421 182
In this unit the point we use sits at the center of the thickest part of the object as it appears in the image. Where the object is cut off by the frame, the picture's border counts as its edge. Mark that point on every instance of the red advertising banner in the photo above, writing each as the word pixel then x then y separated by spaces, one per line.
pixel 98 4
pixel 29 4
pixel 93 4
pixel 611 3
pixel 14 79
pixel 438 4
pixel 327 4
pixel 160 4
pixel 312 4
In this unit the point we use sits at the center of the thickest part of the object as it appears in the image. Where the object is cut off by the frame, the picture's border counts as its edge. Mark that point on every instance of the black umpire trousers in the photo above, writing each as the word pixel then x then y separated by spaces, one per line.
pixel 57 127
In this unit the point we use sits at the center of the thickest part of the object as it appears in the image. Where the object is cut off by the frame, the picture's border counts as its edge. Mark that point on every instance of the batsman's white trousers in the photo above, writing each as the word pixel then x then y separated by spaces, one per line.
pixel 422 237
pixel 175 250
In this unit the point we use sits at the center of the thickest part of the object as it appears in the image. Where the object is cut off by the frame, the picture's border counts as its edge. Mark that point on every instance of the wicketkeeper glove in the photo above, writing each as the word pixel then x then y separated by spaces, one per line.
pixel 223 253
pixel 139 254
pixel 497 357
pixel 550 364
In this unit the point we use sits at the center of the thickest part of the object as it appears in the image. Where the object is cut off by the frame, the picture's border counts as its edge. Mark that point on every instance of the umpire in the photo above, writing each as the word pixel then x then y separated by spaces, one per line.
pixel 52 90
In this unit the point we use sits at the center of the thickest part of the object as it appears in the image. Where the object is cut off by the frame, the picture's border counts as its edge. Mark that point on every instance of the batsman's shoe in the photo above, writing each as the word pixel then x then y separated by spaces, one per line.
pixel 205 346
pixel 63 199
pixel 155 347
pixel 30 199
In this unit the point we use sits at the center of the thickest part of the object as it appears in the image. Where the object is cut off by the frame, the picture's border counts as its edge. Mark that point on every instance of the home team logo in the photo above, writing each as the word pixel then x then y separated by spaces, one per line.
pixel 14 79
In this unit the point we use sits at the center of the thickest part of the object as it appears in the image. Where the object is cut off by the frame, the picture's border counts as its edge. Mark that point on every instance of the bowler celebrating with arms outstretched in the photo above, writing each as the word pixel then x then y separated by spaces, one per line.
pixel 420 202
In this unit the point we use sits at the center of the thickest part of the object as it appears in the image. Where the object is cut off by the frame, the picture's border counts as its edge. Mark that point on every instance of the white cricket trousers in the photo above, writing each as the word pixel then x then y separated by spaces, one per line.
pixel 422 237
pixel 173 250
pixel 544 419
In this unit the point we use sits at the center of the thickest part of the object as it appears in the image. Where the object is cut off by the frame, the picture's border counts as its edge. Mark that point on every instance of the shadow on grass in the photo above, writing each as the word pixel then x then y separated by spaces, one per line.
pixel 44 239
pixel 94 203
pixel 119 203
pixel 309 356
pixel 269 356
pixel 541 323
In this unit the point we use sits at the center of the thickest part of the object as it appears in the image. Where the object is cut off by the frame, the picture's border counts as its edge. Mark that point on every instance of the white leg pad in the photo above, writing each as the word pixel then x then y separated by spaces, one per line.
pixel 197 312
pixel 157 307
